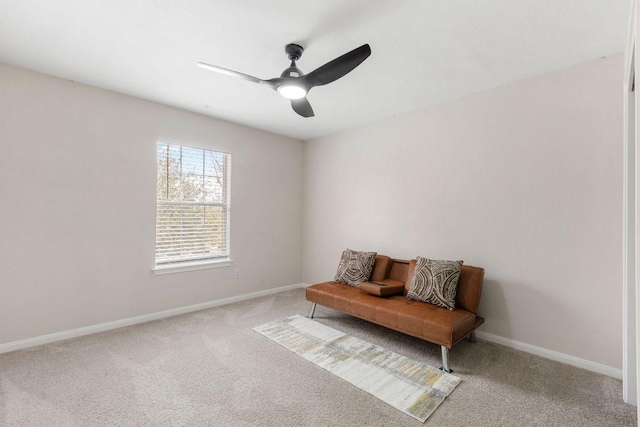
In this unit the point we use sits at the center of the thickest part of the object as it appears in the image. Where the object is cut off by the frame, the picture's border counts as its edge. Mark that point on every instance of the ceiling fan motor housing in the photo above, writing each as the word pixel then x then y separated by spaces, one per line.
pixel 292 72
pixel 293 51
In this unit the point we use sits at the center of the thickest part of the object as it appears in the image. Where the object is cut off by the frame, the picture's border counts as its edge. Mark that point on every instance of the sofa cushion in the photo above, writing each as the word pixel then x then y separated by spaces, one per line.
pixel 387 310
pixel 435 282
pixel 324 293
pixel 436 324
pixel 355 267
pixel 364 306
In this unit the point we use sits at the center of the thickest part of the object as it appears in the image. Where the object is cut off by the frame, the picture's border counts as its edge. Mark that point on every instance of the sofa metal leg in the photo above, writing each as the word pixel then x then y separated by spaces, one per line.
pixel 472 337
pixel 445 360
pixel 313 310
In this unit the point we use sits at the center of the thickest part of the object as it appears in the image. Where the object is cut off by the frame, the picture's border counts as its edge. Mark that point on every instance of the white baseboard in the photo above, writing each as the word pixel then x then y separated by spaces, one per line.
pixel 553 355
pixel 73 333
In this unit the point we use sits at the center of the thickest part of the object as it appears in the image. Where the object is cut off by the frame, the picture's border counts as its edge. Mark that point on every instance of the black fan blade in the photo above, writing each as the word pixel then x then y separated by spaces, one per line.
pixel 332 71
pixel 232 73
pixel 302 107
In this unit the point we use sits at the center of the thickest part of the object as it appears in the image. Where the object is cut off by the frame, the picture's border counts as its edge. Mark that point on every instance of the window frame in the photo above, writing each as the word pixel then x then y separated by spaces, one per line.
pixel 177 265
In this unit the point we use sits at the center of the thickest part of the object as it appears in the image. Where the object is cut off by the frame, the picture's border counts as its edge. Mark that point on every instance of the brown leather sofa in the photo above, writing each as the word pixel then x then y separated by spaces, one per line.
pixel 422 320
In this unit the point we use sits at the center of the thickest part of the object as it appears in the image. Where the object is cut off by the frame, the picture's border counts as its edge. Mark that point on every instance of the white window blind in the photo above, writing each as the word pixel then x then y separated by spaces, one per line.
pixel 192 219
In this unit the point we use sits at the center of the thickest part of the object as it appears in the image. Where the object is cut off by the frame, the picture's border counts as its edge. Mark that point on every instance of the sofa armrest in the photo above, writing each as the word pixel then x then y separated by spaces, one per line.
pixel 382 289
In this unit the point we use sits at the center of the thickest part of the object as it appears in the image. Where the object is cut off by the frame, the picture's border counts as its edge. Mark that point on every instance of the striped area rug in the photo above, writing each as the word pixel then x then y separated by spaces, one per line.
pixel 413 387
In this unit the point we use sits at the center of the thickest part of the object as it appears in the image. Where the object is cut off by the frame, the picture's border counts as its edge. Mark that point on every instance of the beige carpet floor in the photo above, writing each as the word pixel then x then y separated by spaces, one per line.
pixel 210 368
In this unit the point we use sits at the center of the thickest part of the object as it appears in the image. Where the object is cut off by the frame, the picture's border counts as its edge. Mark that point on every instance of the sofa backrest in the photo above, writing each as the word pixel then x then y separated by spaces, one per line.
pixel 399 271
pixel 381 268
pixel 469 286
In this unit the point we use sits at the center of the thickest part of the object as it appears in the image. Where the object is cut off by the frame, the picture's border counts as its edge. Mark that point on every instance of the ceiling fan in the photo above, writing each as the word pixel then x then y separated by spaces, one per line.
pixel 293 84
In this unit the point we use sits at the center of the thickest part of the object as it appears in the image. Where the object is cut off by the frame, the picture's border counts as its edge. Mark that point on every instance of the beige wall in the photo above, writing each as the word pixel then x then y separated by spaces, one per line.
pixel 77 223
pixel 524 180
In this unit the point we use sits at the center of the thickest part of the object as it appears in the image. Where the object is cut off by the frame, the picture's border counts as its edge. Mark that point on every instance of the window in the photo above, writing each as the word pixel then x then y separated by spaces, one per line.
pixel 192 219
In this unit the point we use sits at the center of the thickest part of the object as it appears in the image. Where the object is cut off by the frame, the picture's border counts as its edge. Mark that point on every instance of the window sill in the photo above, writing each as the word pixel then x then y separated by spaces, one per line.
pixel 190 266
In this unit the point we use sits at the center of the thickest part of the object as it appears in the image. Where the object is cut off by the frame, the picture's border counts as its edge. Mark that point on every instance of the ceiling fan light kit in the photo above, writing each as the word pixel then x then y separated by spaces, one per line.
pixel 293 84
pixel 292 91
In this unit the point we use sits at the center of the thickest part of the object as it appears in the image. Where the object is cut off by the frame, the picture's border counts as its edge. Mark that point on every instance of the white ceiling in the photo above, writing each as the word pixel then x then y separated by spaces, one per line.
pixel 424 52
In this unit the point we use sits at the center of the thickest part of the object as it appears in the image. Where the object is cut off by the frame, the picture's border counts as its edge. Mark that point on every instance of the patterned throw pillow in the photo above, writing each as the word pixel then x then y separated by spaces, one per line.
pixel 355 267
pixel 435 282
